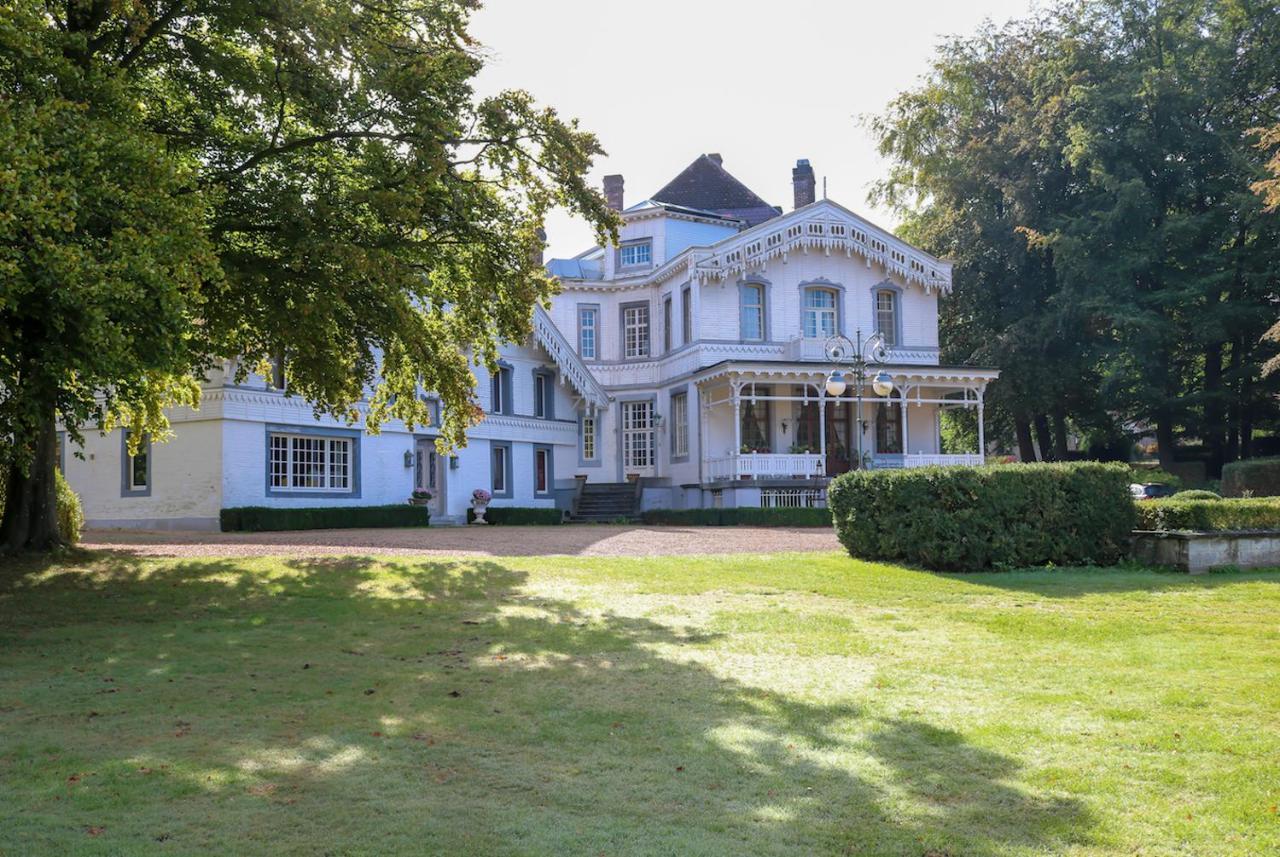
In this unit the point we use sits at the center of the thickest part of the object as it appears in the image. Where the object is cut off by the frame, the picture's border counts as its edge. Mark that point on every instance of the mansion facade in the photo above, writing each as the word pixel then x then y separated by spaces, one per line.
pixel 683 368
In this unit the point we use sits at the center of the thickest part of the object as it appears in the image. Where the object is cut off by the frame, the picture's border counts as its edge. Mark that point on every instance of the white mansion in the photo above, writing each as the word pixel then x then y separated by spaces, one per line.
pixel 683 368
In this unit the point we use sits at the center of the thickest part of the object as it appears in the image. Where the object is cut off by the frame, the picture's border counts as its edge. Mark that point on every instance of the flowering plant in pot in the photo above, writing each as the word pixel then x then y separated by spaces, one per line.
pixel 420 497
pixel 479 502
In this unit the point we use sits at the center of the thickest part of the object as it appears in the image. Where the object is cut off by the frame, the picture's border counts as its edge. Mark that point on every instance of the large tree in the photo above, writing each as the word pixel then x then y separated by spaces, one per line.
pixel 189 180
pixel 1088 169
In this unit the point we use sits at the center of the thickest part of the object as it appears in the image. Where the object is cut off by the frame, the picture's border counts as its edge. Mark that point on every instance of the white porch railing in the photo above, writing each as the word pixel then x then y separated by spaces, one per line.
pixel 767 465
pixel 890 461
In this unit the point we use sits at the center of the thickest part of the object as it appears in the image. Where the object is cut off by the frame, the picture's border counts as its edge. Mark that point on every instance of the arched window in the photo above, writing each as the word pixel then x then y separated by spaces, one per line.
pixel 751 310
pixel 887 315
pixel 820 315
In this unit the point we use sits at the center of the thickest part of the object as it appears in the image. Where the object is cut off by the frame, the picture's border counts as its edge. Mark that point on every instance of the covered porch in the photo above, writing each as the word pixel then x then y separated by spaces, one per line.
pixel 777 422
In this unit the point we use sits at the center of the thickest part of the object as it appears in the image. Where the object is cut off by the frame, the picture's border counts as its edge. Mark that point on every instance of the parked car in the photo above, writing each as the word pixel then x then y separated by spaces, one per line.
pixel 1151 490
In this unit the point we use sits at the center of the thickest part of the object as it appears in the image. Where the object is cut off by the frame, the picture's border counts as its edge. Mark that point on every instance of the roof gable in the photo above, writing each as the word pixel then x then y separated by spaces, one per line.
pixel 707 186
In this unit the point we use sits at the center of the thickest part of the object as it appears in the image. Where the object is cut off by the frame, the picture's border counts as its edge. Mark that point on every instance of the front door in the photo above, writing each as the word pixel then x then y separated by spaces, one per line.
pixel 428 474
pixel 637 438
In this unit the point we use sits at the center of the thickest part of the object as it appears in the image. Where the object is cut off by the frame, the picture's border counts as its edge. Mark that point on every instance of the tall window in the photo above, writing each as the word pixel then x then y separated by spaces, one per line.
pixel 751 311
pixel 278 378
pixel 541 470
pixel 887 316
pixel 666 324
pixel 635 331
pixel 588 438
pixel 542 395
pixel 686 315
pixel 635 255
pixel 819 313
pixel 500 468
pixel 588 332
pixel 755 422
pixel 500 391
pixel 310 463
pixel 637 434
pixel 680 425
pixel 137 468
pixel 889 427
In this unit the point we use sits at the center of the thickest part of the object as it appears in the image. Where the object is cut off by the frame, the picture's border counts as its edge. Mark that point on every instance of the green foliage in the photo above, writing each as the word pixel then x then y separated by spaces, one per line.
pixel 183 183
pixel 959 430
pixel 70 515
pixel 519 515
pixel 1088 170
pixel 744 516
pixel 971 518
pixel 1196 495
pixel 1208 515
pixel 255 519
pixel 1260 477
pixel 1154 475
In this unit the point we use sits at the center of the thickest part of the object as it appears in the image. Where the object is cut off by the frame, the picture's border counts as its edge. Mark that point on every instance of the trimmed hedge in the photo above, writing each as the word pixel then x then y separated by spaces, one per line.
pixel 1258 476
pixel 1195 494
pixel 971 518
pixel 740 517
pixel 255 519
pixel 519 515
pixel 1209 515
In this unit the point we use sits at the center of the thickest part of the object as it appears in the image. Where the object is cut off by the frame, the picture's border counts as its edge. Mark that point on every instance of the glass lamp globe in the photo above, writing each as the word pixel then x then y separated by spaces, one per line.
pixel 836 384
pixel 882 384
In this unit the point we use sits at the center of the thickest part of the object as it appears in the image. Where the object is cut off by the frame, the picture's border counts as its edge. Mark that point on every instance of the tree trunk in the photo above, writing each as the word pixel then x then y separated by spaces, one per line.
pixel 1043 438
pixel 31 508
pixel 1022 428
pixel 1215 427
pixel 1059 434
pixel 1164 438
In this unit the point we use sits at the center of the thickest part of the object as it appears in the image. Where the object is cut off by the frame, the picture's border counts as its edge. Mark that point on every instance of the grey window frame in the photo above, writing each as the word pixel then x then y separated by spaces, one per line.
pixel 583 461
pixel 622 326
pixel 634 244
pixel 890 288
pixel 127 488
pixel 763 286
pixel 551 469
pixel 548 399
pixel 508 489
pixel 837 290
pixel 667 318
pixel 686 314
pixel 676 455
pixel 355 436
pixel 594 309
pixel 503 376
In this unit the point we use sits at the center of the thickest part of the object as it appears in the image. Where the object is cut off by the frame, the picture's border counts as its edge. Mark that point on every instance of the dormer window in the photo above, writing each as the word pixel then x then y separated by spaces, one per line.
pixel 887 315
pixel 636 254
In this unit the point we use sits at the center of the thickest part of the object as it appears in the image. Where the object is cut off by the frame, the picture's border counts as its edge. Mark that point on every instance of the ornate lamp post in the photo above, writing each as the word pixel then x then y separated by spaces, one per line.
pixel 858 356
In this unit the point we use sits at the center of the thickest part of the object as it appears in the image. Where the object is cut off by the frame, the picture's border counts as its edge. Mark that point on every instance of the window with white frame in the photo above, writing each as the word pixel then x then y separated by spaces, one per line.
pixel 635 255
pixel 300 462
pixel 637 434
pixel 820 319
pixel 680 425
pixel 635 331
pixel 588 332
pixel 588 438
pixel 751 310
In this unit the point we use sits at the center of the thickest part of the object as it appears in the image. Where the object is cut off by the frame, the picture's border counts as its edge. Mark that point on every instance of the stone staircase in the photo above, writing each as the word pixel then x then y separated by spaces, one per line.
pixel 607 502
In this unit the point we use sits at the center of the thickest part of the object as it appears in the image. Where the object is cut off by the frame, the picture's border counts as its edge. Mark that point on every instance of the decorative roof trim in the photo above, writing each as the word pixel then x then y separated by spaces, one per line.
pixel 572 369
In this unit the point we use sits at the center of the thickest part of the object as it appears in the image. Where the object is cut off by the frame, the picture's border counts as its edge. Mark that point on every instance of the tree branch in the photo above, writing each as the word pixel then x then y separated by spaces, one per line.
pixel 153 30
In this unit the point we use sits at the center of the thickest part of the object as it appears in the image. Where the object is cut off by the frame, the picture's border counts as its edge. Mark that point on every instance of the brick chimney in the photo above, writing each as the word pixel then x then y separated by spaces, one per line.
pixel 803 183
pixel 613 192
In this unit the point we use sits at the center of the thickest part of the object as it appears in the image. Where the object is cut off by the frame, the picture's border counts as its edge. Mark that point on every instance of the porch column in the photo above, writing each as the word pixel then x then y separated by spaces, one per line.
pixel 906 443
pixel 982 435
pixel 702 438
pixel 737 422
pixel 822 428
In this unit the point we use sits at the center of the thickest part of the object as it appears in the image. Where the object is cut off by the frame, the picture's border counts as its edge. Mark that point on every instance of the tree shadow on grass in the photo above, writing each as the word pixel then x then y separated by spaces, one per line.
pixel 355 706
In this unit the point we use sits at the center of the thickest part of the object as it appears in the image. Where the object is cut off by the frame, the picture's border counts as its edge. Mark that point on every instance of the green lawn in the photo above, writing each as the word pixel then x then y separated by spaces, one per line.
pixel 758 705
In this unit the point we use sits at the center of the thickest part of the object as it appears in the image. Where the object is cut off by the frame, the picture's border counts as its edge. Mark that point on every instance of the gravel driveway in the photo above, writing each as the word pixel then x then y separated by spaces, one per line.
pixel 572 540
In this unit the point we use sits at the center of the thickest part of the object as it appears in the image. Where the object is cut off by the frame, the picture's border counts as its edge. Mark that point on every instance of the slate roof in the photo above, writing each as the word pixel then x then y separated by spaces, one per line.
pixel 708 186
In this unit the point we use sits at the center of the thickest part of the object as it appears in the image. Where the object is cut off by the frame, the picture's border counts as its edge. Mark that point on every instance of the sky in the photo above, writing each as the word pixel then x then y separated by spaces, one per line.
pixel 762 83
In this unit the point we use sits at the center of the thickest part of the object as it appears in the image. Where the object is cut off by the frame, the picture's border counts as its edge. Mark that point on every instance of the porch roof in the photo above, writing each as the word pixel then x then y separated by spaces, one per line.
pixel 782 370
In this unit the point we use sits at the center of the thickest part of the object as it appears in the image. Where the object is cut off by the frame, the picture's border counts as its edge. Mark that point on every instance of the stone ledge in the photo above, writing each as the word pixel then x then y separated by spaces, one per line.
pixel 1196 552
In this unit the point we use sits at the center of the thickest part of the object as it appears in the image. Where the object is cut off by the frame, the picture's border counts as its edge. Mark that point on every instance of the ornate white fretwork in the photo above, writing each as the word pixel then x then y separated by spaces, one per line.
pixel 572 369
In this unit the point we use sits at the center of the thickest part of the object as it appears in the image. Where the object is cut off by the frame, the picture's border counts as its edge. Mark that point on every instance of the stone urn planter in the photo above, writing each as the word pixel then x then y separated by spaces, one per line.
pixel 420 498
pixel 479 503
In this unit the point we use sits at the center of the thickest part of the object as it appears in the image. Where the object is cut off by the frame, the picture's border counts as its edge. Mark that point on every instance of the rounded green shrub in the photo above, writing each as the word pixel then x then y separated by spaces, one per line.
pixel 70 514
pixel 973 518
pixel 1195 494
